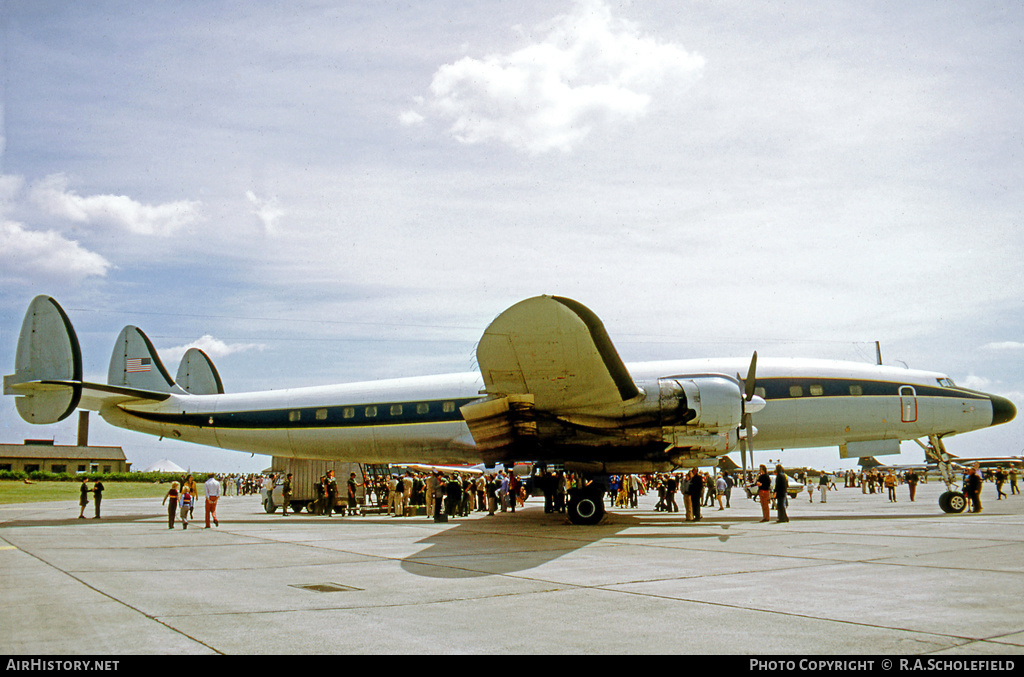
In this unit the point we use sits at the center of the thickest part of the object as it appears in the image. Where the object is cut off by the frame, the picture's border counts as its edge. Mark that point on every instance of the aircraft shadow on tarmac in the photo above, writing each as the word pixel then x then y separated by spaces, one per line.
pixel 487 548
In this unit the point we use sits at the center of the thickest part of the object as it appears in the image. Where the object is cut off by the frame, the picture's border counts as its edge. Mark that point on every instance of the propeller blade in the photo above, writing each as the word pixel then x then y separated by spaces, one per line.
pixel 751 380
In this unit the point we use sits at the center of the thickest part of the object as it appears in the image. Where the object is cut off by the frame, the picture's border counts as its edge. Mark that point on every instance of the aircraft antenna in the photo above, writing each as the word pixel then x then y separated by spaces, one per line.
pixel 878 353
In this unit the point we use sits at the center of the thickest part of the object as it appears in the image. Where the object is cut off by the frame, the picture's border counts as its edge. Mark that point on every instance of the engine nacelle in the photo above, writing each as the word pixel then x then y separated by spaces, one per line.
pixel 701 411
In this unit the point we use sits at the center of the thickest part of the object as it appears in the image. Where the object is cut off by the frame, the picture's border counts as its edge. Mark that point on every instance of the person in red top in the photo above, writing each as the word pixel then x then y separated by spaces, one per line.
pixel 764 487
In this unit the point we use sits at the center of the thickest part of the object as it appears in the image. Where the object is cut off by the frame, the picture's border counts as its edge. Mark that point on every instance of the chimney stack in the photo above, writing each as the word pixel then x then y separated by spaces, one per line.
pixel 83 428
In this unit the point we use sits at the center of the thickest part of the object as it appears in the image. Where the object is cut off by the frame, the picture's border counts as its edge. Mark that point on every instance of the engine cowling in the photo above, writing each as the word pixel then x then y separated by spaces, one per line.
pixel 701 411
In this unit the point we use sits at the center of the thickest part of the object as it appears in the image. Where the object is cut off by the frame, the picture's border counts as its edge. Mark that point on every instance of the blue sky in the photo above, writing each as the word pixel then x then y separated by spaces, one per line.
pixel 325 192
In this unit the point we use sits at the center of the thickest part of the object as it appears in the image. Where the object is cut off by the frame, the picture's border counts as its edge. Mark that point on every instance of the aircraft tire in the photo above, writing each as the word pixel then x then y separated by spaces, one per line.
pixel 268 505
pixel 952 502
pixel 586 510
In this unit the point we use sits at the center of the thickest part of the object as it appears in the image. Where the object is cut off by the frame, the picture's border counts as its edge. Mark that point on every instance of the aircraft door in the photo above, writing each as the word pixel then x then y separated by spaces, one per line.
pixel 908 404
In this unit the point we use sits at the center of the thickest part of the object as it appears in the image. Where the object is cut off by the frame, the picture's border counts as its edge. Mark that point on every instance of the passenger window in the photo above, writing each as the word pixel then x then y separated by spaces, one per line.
pixel 856 390
pixel 349 412
pixel 817 390
pixel 294 416
pixel 449 407
pixel 760 392
pixel 321 414
pixel 796 391
pixel 396 410
pixel 371 412
pixel 422 408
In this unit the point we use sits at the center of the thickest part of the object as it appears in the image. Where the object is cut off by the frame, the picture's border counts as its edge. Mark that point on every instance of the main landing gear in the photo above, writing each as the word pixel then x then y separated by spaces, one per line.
pixel 586 506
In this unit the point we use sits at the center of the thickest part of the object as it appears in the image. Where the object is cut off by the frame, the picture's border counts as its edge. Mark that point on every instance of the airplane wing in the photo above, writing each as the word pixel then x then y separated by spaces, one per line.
pixel 556 350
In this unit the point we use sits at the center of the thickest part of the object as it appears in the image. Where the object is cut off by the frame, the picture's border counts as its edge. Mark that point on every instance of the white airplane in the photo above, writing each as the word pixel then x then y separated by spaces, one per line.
pixel 551 388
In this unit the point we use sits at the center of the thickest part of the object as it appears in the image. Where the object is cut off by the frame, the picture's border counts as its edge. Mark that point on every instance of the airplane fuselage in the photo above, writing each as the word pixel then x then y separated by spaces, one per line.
pixel 810 403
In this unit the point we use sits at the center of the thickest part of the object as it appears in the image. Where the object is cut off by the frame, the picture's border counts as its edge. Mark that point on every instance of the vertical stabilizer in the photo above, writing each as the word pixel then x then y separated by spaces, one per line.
pixel 135 364
pixel 47 365
pixel 197 375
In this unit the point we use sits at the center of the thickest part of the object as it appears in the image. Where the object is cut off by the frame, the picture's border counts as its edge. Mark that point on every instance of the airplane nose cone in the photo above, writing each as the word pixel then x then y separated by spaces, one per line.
pixel 1002 410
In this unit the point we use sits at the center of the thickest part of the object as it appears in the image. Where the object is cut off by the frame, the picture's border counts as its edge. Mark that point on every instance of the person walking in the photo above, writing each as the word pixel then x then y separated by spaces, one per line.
pixel 83 499
pixel 97 496
pixel 211 490
pixel 721 486
pixel 781 495
pixel 172 508
pixel 972 487
pixel 286 495
pixel 671 486
pixel 912 480
pixel 353 500
pixel 187 504
pixel 764 487
pixel 890 485
pixel 330 493
pixel 696 492
pixel 190 485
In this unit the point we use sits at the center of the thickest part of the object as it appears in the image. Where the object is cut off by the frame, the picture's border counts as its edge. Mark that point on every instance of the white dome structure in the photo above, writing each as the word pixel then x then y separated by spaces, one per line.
pixel 164 465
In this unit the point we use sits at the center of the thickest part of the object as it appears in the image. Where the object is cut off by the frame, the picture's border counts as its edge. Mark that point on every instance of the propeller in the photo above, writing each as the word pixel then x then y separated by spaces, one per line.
pixel 751 403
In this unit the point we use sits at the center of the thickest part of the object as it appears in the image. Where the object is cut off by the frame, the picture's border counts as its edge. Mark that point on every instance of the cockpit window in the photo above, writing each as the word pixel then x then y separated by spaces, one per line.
pixel 946 382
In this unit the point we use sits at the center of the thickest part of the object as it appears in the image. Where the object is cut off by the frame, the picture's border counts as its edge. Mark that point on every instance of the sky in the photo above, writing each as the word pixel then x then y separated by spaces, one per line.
pixel 322 192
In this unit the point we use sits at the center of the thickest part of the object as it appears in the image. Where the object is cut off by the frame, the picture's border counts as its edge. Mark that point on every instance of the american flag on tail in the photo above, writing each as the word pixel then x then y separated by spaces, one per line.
pixel 135 365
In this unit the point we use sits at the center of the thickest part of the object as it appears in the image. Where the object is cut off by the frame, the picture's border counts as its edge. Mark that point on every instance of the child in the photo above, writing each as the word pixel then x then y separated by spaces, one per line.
pixel 186 506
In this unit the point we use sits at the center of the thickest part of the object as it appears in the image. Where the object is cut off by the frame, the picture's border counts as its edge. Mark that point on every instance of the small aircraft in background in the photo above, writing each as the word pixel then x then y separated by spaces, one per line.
pixel 551 388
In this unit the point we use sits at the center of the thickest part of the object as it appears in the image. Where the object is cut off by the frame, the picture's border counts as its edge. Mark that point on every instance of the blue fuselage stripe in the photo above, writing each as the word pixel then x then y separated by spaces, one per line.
pixel 435 411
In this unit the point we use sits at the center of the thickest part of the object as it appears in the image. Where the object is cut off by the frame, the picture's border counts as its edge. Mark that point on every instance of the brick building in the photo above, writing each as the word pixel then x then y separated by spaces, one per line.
pixel 45 456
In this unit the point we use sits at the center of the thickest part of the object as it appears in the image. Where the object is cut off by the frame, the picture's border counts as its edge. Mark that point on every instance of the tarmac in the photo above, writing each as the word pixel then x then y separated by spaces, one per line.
pixel 858 575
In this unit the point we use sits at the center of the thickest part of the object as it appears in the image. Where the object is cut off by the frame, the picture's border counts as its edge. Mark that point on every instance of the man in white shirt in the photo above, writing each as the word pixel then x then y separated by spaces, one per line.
pixel 212 491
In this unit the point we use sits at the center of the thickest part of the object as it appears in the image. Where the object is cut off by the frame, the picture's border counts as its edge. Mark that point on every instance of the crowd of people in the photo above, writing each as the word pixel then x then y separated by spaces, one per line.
pixel 451 494
pixel 459 494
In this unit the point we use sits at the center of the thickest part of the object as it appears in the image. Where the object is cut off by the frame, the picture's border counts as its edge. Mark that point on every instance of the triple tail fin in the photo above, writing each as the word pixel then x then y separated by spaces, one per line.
pixel 47 380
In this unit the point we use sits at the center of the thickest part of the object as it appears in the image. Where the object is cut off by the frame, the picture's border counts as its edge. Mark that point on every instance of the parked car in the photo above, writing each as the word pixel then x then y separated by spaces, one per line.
pixel 793 490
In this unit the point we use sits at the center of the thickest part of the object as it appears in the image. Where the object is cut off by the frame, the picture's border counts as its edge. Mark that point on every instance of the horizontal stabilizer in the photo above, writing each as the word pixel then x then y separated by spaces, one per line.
pixel 197 375
pixel 135 364
pixel 47 350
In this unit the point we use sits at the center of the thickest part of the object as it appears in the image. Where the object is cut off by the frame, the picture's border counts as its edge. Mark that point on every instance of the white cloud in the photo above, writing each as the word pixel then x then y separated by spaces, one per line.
pixel 26 254
pixel 267 211
pixel 214 348
pixel 52 195
pixel 10 187
pixel 410 118
pixel 29 254
pixel 1004 345
pixel 585 70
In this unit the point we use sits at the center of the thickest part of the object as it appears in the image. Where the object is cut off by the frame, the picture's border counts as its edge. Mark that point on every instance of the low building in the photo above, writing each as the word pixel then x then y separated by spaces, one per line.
pixel 45 456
